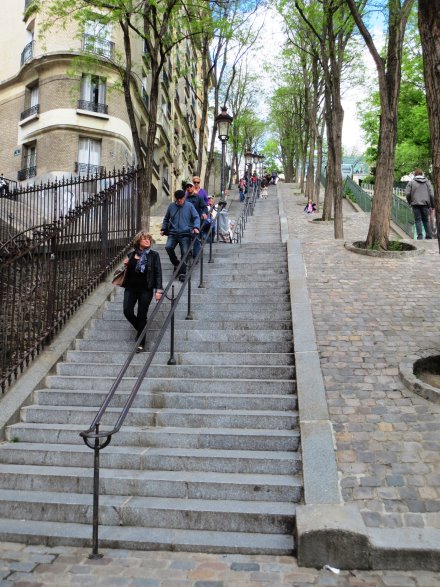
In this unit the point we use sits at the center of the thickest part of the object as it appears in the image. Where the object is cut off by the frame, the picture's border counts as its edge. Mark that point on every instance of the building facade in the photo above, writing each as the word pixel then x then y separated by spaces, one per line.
pixel 60 116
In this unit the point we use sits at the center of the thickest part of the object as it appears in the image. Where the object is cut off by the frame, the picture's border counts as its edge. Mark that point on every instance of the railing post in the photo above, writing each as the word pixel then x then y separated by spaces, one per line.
pixel 95 554
pixel 201 282
pixel 172 360
pixel 189 315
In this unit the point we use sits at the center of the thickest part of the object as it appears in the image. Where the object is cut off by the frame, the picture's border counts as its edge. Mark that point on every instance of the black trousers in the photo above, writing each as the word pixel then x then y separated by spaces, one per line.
pixel 143 299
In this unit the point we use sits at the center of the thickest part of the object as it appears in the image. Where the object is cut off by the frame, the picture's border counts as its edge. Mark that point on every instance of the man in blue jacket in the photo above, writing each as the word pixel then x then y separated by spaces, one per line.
pixel 180 222
pixel 198 201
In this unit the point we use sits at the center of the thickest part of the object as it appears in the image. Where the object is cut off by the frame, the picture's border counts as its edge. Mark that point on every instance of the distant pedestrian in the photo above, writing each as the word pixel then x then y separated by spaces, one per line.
pixel 180 222
pixel 143 279
pixel 4 186
pixel 264 191
pixel 420 196
pixel 310 207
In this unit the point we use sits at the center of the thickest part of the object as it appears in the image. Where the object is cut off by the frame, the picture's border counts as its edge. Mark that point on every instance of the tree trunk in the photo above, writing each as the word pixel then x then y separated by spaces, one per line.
pixel 204 115
pixel 379 229
pixel 317 191
pixel 429 26
pixel 310 187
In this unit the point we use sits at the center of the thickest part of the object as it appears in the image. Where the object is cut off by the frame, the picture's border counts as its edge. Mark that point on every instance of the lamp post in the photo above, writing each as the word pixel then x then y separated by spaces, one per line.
pixel 223 121
pixel 248 157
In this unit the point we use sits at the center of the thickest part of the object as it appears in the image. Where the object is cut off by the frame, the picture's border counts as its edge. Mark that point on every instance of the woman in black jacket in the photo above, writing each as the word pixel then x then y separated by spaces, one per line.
pixel 143 276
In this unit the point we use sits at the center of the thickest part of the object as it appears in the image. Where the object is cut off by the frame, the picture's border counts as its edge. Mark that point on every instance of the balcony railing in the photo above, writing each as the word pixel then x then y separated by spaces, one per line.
pixel 88 169
pixel 145 98
pixel 93 44
pixel 30 112
pixel 27 53
pixel 27 173
pixel 165 79
pixel 165 184
pixel 156 167
pixel 92 106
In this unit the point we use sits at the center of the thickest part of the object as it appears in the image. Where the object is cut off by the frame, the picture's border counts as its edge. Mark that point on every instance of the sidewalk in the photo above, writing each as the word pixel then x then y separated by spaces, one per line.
pixel 35 566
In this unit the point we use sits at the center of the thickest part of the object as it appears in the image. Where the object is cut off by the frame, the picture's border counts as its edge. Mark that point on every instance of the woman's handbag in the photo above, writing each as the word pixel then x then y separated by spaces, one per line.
pixel 119 276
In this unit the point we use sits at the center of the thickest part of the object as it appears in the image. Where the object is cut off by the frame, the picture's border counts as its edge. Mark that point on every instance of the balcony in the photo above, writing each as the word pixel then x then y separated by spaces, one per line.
pixel 92 107
pixel 26 173
pixel 156 168
pixel 166 81
pixel 145 98
pixel 27 53
pixel 92 44
pixel 33 111
pixel 162 121
pixel 88 169
pixel 166 185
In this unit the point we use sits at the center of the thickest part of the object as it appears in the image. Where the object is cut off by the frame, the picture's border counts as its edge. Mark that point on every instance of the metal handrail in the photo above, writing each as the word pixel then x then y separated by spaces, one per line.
pixel 93 432
pixel 246 211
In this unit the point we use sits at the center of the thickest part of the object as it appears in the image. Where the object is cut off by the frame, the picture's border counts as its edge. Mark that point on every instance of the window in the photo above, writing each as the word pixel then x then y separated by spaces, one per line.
pixel 31 103
pixel 97 37
pixel 89 157
pixel 29 163
pixel 93 89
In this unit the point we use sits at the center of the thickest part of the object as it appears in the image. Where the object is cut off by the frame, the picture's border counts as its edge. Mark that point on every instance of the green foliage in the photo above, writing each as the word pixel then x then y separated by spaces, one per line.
pixel 413 138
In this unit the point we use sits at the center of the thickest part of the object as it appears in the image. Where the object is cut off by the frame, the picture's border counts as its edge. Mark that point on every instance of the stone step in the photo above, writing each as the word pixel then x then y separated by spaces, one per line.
pixel 161 384
pixel 273 336
pixel 213 346
pixel 187 358
pixel 180 371
pixel 147 483
pixel 166 417
pixel 62 397
pixel 79 535
pixel 161 512
pixel 150 458
pixel 193 438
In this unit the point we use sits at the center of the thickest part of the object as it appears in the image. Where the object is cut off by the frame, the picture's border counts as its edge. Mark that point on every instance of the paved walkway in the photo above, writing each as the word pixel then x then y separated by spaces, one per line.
pixel 35 566
pixel 368 313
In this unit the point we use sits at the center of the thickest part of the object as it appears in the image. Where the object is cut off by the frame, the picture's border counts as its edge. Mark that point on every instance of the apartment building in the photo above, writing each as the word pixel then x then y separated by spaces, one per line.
pixel 59 120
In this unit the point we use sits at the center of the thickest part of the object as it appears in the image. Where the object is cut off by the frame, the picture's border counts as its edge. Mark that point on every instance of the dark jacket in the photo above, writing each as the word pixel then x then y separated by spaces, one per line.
pixel 151 278
pixel 419 192
pixel 198 201
pixel 182 219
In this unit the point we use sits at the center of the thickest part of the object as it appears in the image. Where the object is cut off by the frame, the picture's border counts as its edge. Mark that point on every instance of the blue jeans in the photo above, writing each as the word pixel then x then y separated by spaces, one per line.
pixel 143 299
pixel 421 215
pixel 184 241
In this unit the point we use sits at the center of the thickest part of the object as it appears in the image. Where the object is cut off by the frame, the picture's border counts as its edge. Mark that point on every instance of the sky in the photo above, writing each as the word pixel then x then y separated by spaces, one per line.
pixel 271 41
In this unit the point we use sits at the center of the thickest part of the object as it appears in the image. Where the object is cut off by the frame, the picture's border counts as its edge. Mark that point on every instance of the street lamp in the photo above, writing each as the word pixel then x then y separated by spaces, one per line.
pixel 248 157
pixel 223 121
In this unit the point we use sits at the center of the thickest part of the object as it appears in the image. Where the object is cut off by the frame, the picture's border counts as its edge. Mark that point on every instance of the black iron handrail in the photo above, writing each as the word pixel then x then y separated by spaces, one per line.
pixel 92 437
pixel 246 211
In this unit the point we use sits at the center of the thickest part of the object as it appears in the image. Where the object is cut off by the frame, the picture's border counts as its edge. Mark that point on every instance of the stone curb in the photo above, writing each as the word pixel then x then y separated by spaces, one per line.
pixel 329 532
pixel 20 393
pixel 406 373
pixel 385 254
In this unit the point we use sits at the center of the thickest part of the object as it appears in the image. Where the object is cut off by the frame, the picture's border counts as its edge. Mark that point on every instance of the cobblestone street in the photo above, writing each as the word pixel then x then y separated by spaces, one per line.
pixel 369 313
pixel 34 566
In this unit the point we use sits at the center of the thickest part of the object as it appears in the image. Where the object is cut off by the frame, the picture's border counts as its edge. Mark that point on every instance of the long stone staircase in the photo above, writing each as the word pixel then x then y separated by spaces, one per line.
pixel 208 458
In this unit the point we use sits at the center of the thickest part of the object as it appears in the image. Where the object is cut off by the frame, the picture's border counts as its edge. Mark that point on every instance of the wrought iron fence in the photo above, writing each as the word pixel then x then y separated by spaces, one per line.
pixel 44 203
pixel 27 52
pixel 47 271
